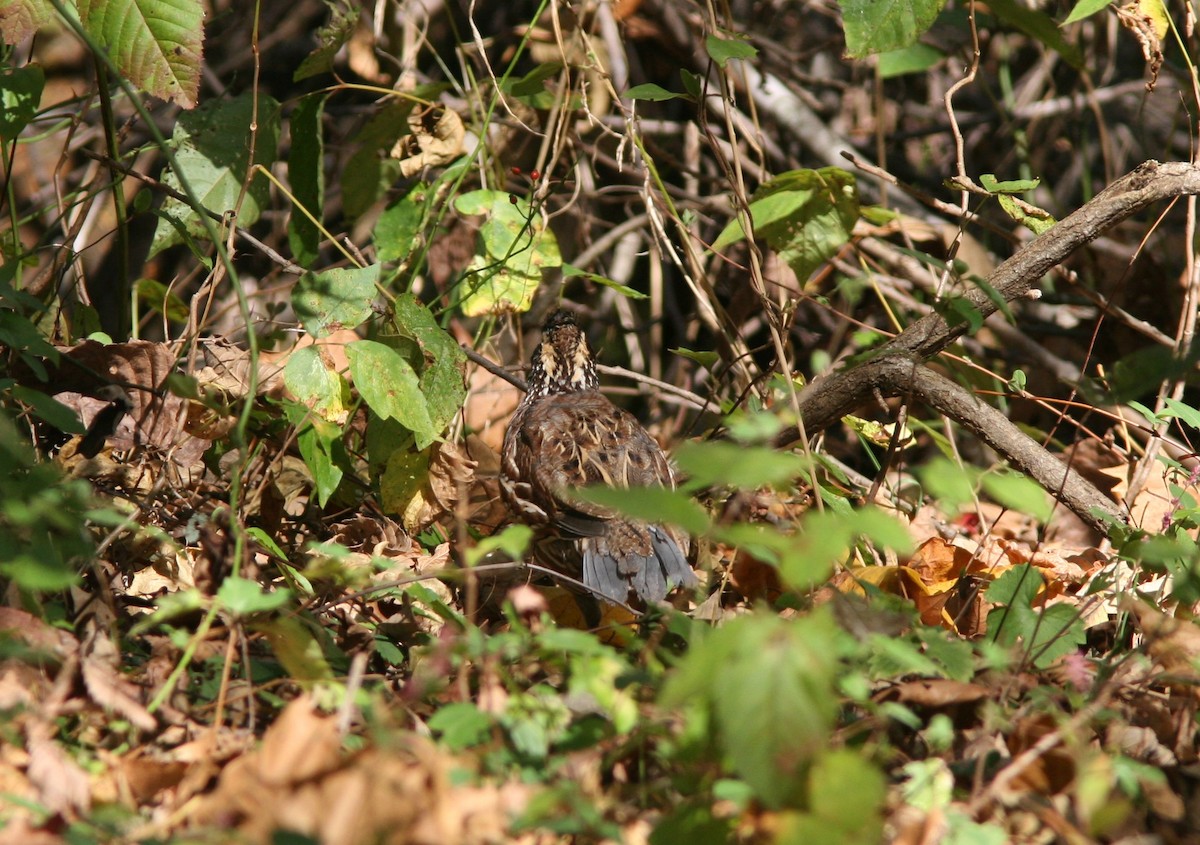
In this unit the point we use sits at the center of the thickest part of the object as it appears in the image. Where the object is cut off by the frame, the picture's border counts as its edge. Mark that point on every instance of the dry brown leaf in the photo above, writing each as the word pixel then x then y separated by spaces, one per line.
pixel 147 777
pixel 436 140
pixel 1052 771
pixel 1173 643
pixel 301 744
pixel 62 784
pixel 450 473
pixel 105 684
pixel 939 693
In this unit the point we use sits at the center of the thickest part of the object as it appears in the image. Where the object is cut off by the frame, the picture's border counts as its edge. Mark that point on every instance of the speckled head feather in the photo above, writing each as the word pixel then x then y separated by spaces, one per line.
pixel 562 362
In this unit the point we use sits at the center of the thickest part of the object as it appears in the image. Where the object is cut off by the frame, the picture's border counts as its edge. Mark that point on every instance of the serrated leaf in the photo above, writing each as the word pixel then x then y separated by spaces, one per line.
pixel 341 298
pixel 877 26
pixel 343 17
pixel 723 50
pixel 156 44
pixel 306 173
pixel 390 387
pixel 1045 634
pixel 20 96
pixel 769 683
pixel 212 145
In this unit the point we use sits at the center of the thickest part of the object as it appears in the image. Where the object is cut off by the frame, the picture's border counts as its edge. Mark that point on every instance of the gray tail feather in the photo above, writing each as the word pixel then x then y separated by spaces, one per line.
pixel 652 576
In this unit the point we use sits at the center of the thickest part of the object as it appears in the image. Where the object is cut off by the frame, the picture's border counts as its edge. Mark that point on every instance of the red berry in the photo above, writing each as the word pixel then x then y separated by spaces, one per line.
pixel 513 199
pixel 534 175
pixel 516 171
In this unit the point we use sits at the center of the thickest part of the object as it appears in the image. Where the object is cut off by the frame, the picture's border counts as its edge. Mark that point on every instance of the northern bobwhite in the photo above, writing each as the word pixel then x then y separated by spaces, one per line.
pixel 566 435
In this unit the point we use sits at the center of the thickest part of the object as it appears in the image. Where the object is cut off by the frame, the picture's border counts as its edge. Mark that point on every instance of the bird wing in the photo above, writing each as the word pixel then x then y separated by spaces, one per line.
pixel 581 440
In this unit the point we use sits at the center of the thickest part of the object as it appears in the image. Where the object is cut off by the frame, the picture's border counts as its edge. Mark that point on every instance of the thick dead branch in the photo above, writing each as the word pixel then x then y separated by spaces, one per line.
pixel 898 369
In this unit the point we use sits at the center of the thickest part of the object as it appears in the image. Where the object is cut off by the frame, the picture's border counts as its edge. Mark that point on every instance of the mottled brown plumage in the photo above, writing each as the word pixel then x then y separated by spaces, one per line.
pixel 566 435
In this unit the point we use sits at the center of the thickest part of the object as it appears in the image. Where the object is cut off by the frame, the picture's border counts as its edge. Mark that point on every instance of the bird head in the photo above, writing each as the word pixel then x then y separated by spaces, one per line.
pixel 562 362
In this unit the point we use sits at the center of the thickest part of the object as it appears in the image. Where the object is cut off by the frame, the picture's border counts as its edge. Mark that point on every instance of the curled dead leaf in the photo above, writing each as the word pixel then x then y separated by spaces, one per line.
pixel 436 140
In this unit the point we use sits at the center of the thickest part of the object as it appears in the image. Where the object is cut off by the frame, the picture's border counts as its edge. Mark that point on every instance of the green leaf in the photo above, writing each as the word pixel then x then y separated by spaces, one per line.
pixel 343 17
pixel 769 683
pixel 514 248
pixel 722 50
pixel 1047 634
pixel 1036 220
pixel 1182 411
pixel 441 361
pixel 513 541
pixel 704 359
pixel 50 409
pixel 400 224
pixel 212 149
pixel 745 467
pixel 804 215
pixel 574 272
pixel 306 173
pixel 390 387
pixel 155 44
pixel 953 485
pixel 654 93
pixel 155 296
pixel 1013 186
pixel 1085 9
pixel 461 725
pixel 17 332
pixel 20 96
pixel 826 537
pixel 243 597
pixel 877 26
pixel 845 800
pixel 370 171
pixel 1037 24
pixel 296 649
pixel 335 299
pixel 649 504
pixel 693 83
pixel 1020 493
pixel 317 387
pixel 404 476
pixel 531 89
pixel 916 58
